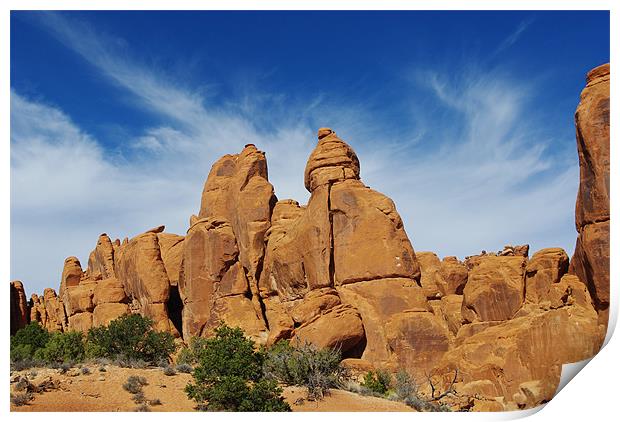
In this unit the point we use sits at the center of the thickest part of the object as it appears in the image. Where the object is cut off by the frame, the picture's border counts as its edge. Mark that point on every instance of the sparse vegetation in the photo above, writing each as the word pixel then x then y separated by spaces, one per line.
pixel 184 368
pixel 21 399
pixel 131 338
pixel 190 354
pixel 142 408
pixel 434 403
pixel 21 364
pixel 229 372
pixel 169 371
pixel 378 381
pixel 305 365
pixel 230 377
pixel 22 384
pixel 130 363
pixel 405 386
pixel 139 397
pixel 134 384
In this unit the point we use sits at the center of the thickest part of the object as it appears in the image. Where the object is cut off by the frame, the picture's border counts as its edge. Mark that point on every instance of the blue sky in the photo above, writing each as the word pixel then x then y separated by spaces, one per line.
pixel 465 119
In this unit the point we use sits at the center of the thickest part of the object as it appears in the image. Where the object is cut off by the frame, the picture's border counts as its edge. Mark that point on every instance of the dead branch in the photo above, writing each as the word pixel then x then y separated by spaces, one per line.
pixel 450 389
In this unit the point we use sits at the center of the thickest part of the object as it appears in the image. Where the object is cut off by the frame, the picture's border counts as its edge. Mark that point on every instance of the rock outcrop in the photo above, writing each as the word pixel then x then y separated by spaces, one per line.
pixel 20 314
pixel 591 259
pixel 494 289
pixel 531 347
pixel 225 246
pixel 324 257
pixel 49 311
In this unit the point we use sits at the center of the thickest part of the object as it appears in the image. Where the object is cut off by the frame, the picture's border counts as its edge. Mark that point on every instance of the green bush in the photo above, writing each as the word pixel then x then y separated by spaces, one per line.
pixel 378 381
pixel 132 338
pixel 190 355
pixel 63 347
pixel 27 341
pixel 304 365
pixel 264 396
pixel 229 376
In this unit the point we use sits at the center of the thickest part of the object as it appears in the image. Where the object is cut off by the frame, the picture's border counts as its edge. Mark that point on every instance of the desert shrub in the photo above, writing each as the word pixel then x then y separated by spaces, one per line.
pixel 64 367
pixel 85 370
pixel 405 385
pixel 423 405
pixel 130 363
pixel 21 399
pixel 190 354
pixel 138 397
pixel 169 371
pixel 22 384
pixel 102 369
pixel 27 341
pixel 134 384
pixel 101 361
pixel 304 365
pixel 229 376
pixel 62 347
pixel 154 402
pixel 21 364
pixel 377 381
pixel 132 338
pixel 142 408
pixel 184 368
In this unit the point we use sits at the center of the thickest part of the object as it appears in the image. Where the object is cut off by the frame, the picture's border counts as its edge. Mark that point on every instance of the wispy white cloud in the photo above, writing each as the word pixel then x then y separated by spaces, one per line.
pixel 477 180
pixel 488 178
pixel 514 36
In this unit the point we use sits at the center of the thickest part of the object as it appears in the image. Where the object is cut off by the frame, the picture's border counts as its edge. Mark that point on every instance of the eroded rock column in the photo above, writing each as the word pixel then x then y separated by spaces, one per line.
pixel 591 259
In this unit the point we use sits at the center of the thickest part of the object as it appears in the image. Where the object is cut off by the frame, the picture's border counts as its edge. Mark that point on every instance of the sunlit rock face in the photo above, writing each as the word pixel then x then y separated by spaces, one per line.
pixel 591 259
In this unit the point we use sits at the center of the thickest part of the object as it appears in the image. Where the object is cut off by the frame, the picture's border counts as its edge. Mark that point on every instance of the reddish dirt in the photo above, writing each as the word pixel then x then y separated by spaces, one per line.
pixel 342 401
pixel 103 392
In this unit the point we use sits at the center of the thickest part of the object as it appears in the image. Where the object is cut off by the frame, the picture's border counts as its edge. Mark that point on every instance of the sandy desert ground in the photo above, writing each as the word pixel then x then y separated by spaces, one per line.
pixel 102 391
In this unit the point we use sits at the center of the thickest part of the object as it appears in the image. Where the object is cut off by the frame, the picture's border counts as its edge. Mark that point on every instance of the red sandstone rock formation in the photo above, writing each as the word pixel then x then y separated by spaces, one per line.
pixel 325 257
pixel 48 310
pixel 591 259
pixel 224 248
pixel 20 315
pixel 341 272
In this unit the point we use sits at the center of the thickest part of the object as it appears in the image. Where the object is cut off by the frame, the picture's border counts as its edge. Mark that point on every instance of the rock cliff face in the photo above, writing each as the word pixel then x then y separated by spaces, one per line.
pixel 341 272
pixel 20 315
pixel 591 259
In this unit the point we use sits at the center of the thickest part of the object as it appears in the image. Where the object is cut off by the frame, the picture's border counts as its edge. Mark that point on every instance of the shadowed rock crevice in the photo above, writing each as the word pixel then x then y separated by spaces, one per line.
pixel 175 309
